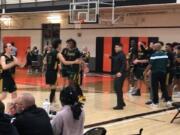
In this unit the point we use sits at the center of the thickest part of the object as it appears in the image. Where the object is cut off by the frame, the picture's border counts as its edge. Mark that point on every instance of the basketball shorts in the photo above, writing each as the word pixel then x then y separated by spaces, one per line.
pixel 75 77
pixel 8 84
pixel 51 77
pixel 138 73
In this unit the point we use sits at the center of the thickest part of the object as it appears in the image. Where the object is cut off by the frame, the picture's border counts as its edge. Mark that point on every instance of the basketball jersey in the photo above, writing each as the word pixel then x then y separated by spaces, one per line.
pixel 72 55
pixel 52 60
pixel 64 53
pixel 8 72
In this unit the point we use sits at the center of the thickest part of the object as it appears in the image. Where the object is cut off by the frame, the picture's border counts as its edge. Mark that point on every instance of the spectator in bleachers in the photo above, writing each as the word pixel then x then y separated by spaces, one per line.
pixel 14 49
pixel 31 120
pixel 6 128
pixel 29 60
pixel 70 120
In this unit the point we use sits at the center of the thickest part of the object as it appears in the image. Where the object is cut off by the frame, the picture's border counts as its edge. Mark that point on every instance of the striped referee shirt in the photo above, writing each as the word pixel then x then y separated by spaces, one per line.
pixel 159 61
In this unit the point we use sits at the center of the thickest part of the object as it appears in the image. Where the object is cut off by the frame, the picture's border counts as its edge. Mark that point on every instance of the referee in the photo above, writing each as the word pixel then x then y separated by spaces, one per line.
pixel 158 65
pixel 119 69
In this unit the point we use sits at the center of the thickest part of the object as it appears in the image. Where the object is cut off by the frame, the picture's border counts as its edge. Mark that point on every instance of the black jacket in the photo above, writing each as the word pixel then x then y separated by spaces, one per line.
pixel 6 128
pixel 119 63
pixel 33 121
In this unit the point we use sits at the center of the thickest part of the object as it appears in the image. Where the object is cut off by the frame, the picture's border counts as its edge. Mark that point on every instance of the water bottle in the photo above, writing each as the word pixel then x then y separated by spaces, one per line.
pixel 46 106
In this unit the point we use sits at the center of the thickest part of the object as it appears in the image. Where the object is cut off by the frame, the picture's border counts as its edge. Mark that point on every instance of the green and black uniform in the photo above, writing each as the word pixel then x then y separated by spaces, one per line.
pixel 9 84
pixel 159 63
pixel 52 67
pixel 51 72
pixel 64 70
pixel 73 71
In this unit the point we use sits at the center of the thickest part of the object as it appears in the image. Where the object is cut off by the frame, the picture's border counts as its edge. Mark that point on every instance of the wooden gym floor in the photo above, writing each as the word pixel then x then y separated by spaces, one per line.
pixel 98 90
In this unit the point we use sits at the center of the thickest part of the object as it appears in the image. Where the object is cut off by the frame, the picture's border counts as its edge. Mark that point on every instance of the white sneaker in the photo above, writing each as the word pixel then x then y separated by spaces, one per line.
pixel 169 103
pixel 154 106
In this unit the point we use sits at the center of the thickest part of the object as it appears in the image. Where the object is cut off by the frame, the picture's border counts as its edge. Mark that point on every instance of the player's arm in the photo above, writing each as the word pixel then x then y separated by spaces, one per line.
pixel 17 62
pixel 7 66
pixel 62 60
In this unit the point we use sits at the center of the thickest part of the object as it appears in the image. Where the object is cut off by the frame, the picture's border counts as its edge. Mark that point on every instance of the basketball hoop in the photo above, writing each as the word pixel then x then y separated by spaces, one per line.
pixel 79 24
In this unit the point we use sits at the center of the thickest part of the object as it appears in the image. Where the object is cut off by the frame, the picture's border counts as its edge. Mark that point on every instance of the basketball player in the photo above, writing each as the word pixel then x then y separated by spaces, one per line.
pixel 64 68
pixel 53 59
pixel 74 70
pixel 8 62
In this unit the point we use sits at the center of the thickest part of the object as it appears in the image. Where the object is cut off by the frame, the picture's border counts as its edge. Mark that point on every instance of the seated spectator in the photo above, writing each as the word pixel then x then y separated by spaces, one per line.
pixel 11 109
pixel 6 128
pixel 31 120
pixel 70 120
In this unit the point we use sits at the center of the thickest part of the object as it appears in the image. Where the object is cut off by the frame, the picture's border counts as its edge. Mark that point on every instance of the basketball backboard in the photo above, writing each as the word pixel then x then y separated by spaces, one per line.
pixel 83 12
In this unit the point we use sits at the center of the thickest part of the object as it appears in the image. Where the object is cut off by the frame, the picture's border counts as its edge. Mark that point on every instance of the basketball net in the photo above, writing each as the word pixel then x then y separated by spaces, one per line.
pixel 78 24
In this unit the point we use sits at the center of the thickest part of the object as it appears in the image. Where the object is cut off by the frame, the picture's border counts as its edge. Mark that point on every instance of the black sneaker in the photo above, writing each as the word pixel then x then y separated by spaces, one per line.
pixel 118 108
pixel 148 102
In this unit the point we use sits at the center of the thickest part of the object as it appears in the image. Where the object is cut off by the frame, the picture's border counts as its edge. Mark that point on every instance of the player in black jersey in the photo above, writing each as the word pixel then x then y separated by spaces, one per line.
pixel 74 70
pixel 53 59
pixel 64 68
pixel 8 62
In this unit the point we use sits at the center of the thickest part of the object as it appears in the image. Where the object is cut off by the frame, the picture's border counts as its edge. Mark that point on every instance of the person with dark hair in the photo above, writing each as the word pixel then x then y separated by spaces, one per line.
pixel 170 69
pixel 6 128
pixel 30 119
pixel 70 120
pixel 73 71
pixel 119 69
pixel 64 68
pixel 140 63
pixel 29 60
pixel 8 62
pixel 52 60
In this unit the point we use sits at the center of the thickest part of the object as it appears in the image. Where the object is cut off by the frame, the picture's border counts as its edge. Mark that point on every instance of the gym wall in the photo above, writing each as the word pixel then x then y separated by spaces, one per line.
pixel 166 26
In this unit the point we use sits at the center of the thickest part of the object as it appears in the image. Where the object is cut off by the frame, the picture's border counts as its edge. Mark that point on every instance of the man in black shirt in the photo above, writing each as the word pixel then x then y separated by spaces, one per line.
pixel 119 62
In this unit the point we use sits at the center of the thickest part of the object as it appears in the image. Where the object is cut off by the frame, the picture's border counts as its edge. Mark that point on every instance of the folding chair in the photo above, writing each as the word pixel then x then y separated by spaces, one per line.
pixel 177 106
pixel 96 131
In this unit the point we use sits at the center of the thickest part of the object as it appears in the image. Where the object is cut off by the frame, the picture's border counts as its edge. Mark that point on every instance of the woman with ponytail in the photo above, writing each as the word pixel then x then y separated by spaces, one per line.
pixel 70 120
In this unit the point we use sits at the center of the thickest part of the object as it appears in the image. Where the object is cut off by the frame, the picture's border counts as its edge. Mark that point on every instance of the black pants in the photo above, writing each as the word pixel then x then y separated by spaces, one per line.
pixel 156 79
pixel 118 85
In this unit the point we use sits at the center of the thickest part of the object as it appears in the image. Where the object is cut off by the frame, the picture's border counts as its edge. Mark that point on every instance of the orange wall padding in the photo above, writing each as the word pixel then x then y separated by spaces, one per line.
pixel 21 43
pixel 107 52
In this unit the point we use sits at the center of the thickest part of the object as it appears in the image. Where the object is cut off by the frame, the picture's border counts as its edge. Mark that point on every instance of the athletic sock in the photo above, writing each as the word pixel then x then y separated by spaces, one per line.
pixel 52 95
